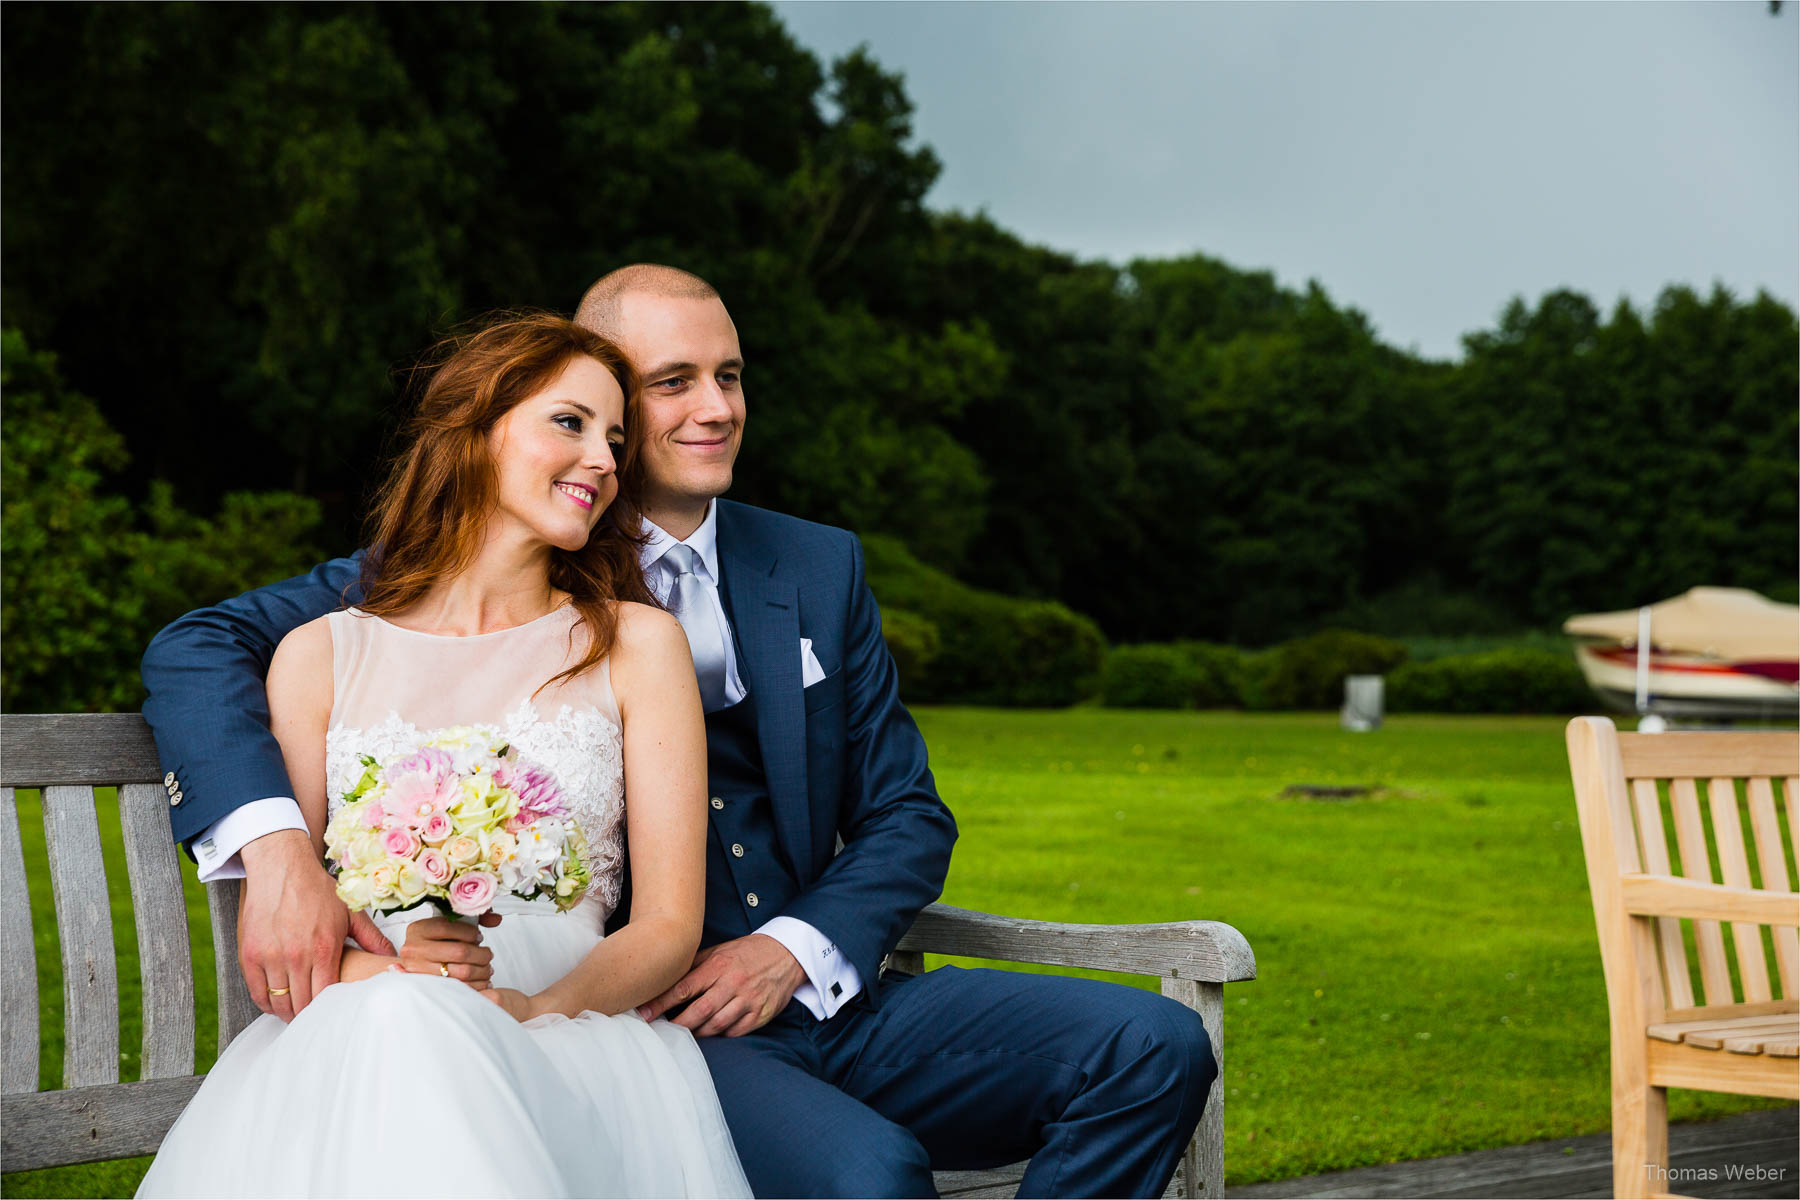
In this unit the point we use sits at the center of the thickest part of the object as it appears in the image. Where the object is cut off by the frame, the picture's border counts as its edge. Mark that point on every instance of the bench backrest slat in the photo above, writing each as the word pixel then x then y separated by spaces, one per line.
pixel 165 958
pixel 1760 794
pixel 84 925
pixel 235 1008
pixel 18 961
pixel 1734 865
pixel 1690 837
pixel 1655 847
pixel 40 749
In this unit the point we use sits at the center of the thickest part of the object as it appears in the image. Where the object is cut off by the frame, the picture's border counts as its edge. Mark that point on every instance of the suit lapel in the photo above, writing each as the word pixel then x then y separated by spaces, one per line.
pixel 764 612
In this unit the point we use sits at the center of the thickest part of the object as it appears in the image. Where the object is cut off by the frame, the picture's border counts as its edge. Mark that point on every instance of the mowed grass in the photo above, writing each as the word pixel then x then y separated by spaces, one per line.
pixel 1428 976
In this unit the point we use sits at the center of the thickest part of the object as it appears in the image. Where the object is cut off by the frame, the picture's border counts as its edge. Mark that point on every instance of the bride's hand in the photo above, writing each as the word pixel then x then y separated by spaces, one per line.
pixel 517 1004
pixel 440 946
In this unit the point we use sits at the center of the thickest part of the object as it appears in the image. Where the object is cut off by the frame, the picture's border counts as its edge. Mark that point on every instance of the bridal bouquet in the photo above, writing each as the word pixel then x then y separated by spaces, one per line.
pixel 454 823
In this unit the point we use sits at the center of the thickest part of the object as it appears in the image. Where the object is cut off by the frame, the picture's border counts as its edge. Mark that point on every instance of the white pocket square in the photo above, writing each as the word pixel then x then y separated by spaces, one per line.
pixel 810 670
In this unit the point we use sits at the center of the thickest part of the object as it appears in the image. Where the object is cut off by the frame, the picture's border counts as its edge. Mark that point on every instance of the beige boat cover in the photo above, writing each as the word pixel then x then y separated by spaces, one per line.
pixel 1731 623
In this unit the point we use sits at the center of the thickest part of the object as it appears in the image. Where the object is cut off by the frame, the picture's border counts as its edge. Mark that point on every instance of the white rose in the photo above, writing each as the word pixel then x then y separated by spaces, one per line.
pixel 356 891
pixel 411 883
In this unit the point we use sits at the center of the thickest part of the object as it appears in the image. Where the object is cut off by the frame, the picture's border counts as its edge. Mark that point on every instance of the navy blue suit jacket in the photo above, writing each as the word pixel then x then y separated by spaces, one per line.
pixel 843 758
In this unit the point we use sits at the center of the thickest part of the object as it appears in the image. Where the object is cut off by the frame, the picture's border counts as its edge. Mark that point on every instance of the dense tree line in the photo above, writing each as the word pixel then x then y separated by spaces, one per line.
pixel 235 224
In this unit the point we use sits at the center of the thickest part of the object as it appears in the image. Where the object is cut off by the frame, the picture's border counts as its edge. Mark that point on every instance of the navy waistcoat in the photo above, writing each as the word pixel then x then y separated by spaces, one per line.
pixel 748 879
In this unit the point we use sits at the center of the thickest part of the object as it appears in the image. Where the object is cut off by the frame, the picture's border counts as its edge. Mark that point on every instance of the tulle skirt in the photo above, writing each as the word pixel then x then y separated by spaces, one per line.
pixel 414 1085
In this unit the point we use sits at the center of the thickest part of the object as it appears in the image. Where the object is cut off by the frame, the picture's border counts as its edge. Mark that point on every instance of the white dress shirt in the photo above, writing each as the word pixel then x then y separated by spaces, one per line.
pixel 831 979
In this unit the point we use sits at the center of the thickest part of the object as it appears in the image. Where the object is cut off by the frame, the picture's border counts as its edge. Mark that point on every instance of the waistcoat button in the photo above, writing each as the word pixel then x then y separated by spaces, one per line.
pixel 751 900
pixel 737 851
pixel 717 803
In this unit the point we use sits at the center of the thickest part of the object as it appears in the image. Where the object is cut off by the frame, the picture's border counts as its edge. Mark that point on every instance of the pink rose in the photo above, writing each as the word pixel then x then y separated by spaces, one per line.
pixel 400 842
pixel 435 866
pixel 437 828
pixel 374 817
pixel 473 893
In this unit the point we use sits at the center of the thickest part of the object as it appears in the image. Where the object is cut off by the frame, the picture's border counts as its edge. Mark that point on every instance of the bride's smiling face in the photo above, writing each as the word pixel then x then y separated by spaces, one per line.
pixel 556 455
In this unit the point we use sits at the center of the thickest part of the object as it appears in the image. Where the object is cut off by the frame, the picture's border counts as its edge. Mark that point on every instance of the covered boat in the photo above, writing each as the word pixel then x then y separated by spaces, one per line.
pixel 1711 653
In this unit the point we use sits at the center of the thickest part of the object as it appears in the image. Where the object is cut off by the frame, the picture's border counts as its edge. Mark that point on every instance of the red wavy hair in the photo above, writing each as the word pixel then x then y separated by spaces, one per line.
pixel 429 517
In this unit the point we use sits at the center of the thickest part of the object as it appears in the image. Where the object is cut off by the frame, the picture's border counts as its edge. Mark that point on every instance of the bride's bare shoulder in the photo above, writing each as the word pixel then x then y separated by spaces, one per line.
pixel 645 628
pixel 649 642
pixel 310 638
pixel 303 658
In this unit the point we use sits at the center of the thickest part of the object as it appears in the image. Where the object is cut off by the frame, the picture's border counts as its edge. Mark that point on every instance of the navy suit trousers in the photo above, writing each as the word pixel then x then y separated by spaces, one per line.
pixel 1098 1084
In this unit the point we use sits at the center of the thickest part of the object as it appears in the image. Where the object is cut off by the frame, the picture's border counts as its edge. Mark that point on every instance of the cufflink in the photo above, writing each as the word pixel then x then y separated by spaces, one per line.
pixel 837 989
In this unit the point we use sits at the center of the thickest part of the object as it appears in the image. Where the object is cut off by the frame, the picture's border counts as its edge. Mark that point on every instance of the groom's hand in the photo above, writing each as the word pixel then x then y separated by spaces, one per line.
pixel 291 924
pixel 733 988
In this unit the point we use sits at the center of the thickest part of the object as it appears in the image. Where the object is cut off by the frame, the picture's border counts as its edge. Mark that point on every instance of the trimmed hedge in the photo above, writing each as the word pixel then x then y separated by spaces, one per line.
pixel 1308 673
pixel 1149 676
pixel 1499 681
pixel 913 641
pixel 991 649
pixel 1177 675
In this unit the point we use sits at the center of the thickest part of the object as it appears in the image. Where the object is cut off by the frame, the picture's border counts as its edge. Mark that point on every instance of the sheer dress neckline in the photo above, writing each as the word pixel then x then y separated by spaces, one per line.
pixel 566 607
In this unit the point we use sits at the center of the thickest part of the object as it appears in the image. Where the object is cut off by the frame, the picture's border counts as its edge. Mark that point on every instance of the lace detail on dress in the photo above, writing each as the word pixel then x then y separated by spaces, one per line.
pixel 581 745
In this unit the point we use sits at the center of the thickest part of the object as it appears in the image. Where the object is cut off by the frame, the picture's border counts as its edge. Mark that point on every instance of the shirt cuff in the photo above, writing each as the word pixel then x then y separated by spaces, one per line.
pixel 216 849
pixel 832 981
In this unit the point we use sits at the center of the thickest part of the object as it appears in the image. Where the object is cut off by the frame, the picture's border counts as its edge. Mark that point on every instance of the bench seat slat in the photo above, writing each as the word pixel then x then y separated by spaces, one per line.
pixel 81 1125
pixel 84 926
pixel 1715 1038
pixel 18 961
pixel 165 958
pixel 1674 1031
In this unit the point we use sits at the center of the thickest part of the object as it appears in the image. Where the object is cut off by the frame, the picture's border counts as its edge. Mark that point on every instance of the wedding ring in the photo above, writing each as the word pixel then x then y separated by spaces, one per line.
pixel 444 970
pixel 279 991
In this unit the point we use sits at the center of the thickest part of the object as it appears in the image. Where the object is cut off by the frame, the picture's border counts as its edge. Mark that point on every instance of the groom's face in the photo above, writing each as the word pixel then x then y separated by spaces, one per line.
pixel 686 351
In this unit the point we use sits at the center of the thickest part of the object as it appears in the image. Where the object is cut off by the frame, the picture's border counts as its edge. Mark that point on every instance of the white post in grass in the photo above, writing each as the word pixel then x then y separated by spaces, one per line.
pixel 1362 703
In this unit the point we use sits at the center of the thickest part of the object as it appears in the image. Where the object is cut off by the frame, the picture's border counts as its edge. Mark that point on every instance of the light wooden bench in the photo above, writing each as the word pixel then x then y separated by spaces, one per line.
pixel 94 1116
pixel 1628 788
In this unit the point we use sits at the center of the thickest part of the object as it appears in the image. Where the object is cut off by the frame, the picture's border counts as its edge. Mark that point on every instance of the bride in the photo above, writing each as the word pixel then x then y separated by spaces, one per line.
pixel 504 592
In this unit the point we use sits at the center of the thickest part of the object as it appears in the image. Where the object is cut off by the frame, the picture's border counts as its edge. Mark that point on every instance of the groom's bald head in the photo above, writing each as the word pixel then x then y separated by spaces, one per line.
pixel 602 307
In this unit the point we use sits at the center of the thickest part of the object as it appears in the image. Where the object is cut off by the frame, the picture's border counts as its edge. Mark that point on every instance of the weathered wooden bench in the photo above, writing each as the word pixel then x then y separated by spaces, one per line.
pixel 94 1116
pixel 1664 1032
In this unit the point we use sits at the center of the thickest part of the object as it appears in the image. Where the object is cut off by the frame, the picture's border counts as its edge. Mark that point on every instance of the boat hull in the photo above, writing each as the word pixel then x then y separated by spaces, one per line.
pixel 1690 685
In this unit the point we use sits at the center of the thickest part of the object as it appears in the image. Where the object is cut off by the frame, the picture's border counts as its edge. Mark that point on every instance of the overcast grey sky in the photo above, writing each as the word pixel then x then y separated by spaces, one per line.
pixel 1424 161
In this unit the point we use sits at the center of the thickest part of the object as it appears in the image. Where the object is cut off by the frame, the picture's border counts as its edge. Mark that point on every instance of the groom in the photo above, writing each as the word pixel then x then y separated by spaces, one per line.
pixel 827 838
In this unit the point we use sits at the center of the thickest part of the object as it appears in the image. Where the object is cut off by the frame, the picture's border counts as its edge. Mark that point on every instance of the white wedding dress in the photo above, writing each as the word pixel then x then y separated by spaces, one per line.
pixel 415 1085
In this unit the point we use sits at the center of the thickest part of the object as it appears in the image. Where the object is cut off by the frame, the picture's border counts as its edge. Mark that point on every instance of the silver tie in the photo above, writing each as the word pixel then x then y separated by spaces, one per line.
pixel 691 602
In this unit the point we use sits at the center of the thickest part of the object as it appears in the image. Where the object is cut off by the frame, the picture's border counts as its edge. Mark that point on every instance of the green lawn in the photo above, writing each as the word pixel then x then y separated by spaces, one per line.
pixel 1429 981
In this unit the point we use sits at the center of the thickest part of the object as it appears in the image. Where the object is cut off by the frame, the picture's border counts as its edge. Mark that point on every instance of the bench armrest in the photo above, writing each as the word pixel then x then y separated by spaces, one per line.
pixel 1671 896
pixel 1203 951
